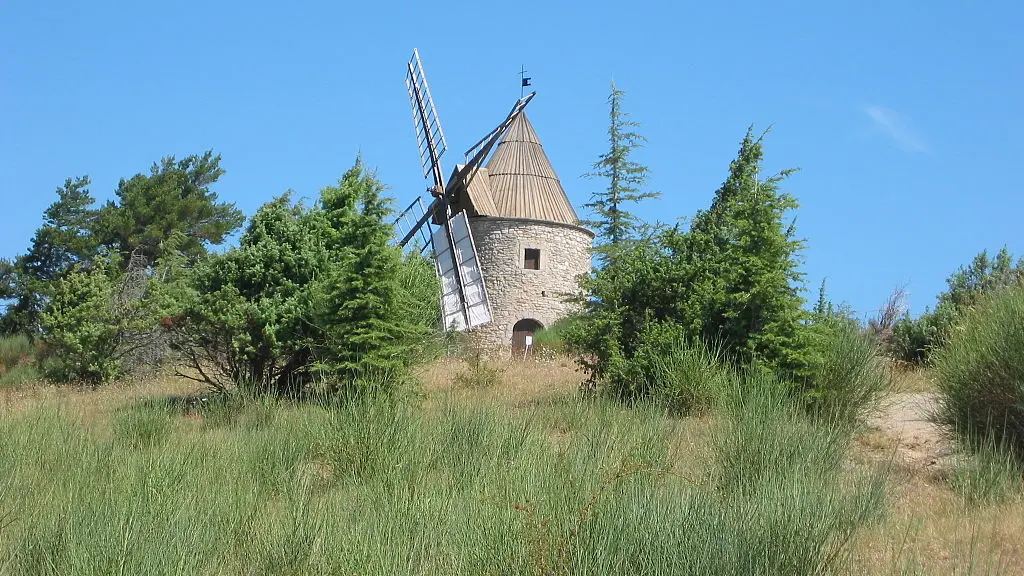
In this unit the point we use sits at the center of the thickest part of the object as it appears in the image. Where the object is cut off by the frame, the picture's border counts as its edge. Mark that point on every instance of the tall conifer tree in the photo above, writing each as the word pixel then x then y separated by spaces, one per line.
pixel 614 224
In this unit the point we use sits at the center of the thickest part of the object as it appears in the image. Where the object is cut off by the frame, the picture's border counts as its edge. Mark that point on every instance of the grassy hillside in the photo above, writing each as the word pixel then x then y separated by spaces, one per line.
pixel 523 477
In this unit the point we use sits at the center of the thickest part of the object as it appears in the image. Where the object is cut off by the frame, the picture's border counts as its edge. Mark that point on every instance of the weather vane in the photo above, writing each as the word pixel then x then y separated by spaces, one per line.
pixel 525 81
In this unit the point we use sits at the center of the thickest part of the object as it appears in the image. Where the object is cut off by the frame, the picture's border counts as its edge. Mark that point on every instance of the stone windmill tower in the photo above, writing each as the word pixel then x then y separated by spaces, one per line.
pixel 506 239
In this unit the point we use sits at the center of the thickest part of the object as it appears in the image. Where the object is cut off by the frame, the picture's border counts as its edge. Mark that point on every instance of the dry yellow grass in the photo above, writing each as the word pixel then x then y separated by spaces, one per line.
pixel 910 379
pixel 931 530
pixel 522 382
pixel 93 406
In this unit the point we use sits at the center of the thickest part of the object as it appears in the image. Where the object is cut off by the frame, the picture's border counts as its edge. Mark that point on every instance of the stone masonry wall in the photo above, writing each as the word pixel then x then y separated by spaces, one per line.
pixel 516 293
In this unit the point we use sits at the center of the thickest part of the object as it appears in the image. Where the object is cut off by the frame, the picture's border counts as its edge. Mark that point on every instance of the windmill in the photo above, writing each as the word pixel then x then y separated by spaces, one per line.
pixel 442 226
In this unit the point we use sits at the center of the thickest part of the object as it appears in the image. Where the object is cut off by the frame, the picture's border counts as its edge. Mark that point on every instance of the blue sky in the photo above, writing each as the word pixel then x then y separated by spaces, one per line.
pixel 904 120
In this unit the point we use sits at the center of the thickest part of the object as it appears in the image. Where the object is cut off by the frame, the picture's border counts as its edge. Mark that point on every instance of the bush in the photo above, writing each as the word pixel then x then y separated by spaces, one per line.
pixel 733 278
pixel 916 339
pixel 551 340
pixel 15 350
pixel 778 475
pixel 684 377
pixel 311 295
pixel 479 372
pixel 989 476
pixel 845 376
pixel 17 361
pixel 912 339
pixel 20 375
pixel 80 331
pixel 980 374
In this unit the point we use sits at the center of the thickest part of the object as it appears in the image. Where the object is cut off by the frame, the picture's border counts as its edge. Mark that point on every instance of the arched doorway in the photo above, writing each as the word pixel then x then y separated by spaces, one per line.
pixel 522 333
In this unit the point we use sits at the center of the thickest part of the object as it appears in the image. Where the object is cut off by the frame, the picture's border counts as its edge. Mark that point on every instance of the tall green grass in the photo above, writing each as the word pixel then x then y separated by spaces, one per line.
pixel 17 366
pixel 846 377
pixel 980 373
pixel 989 475
pixel 378 486
pixel 14 350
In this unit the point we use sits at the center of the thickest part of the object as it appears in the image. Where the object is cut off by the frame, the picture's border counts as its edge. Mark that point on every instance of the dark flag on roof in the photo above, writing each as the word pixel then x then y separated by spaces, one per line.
pixel 526 81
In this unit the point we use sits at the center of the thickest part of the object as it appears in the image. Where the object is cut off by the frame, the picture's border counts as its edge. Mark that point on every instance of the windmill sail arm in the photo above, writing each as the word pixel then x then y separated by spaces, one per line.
pixel 429 136
pixel 420 222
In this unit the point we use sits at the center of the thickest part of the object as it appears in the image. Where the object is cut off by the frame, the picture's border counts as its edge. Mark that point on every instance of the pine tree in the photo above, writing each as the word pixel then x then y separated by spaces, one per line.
pixel 361 313
pixel 745 260
pixel 66 238
pixel 613 223
pixel 174 200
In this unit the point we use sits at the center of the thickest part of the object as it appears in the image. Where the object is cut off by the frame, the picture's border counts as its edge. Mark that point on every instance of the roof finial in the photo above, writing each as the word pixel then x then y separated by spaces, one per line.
pixel 525 81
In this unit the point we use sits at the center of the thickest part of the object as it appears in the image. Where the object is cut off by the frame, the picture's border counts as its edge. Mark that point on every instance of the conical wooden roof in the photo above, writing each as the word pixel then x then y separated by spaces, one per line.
pixel 523 184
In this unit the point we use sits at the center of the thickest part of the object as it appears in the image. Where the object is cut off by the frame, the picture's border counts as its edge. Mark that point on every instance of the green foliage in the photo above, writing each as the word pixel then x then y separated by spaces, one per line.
pixel 175 198
pixel 744 273
pixel 913 338
pixel 480 372
pixel 991 475
pixel 417 295
pixel 17 361
pixel 980 375
pixel 782 469
pixel 613 223
pixel 94 323
pixel 916 339
pixel 552 338
pixel 651 367
pixel 844 376
pixel 368 323
pixel 19 376
pixel 310 294
pixel 170 212
pixel 80 330
pixel 731 280
pixel 65 239
pixel 15 350
pixel 686 378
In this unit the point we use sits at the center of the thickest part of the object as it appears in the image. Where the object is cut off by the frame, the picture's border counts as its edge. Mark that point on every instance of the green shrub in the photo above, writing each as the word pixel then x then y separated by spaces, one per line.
pixel 666 367
pixel 310 295
pixel 990 475
pixel 980 373
pixel 916 339
pixel 479 373
pixel 18 376
pixel 17 361
pixel 552 338
pixel 15 350
pixel 80 331
pixel 912 339
pixel 845 376
pixel 733 278
pixel 779 477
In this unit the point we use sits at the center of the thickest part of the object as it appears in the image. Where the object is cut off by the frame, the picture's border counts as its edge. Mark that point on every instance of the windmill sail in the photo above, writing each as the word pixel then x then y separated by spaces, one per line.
pixel 463 296
pixel 429 136
pixel 464 302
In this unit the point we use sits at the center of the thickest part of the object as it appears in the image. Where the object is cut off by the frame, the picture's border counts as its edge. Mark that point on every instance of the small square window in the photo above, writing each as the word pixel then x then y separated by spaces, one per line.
pixel 531 259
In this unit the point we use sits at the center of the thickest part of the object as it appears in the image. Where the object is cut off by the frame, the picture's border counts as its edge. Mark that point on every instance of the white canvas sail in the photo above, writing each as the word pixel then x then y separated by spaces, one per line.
pixel 466 308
